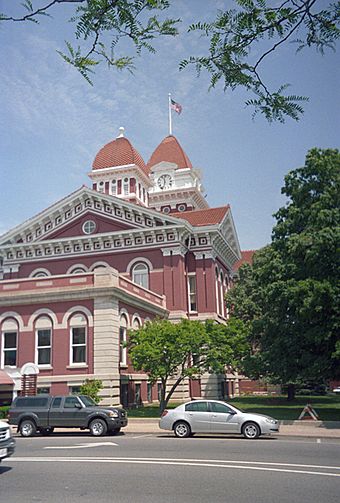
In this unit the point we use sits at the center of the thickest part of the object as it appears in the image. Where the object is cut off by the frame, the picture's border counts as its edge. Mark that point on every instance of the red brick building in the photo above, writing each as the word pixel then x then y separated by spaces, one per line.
pixel 141 242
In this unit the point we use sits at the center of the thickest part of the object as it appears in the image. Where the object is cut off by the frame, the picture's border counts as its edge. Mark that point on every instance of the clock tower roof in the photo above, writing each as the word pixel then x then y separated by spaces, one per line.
pixel 169 150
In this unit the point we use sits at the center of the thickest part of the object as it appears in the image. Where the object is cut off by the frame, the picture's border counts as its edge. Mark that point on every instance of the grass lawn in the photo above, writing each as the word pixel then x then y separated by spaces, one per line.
pixel 327 407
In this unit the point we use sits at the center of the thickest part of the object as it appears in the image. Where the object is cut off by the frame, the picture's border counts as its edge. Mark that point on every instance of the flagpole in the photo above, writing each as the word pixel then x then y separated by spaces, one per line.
pixel 170 121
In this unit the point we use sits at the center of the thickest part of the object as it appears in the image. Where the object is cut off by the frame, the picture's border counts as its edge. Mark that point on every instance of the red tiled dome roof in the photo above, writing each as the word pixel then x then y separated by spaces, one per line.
pixel 118 152
pixel 170 150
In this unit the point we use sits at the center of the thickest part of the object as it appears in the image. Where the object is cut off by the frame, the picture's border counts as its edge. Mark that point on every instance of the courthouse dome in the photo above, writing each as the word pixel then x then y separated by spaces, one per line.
pixel 118 152
pixel 170 150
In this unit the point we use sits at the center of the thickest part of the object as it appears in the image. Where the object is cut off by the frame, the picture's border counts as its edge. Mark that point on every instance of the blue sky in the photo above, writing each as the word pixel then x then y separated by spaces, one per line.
pixel 53 123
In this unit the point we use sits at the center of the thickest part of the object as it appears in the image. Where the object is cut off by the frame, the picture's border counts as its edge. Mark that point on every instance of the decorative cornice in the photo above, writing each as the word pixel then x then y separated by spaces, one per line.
pixel 132 239
pixel 76 204
pixel 174 250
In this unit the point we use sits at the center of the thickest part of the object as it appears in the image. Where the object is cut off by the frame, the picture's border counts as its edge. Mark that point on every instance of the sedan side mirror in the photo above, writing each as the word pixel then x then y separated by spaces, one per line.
pixel 78 405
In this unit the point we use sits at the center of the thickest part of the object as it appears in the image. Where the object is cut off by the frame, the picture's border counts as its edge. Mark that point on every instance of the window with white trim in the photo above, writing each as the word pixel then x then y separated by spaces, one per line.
pixel 217 291
pixel 78 270
pixel 136 324
pixel 126 186
pixel 221 294
pixel 40 274
pixel 89 227
pixel 114 187
pixel 140 275
pixel 43 331
pixel 192 292
pixel 122 340
pixel 78 336
pixel 10 348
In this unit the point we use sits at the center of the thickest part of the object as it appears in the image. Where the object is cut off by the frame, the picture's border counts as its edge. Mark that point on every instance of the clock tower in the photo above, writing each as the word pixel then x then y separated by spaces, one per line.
pixel 177 185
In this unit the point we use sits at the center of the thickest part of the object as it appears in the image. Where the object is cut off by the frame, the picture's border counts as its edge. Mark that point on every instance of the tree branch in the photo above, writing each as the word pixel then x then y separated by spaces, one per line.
pixel 40 11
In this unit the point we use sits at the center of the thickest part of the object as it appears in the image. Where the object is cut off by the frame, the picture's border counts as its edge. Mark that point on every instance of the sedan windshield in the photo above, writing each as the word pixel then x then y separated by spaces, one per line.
pixel 87 401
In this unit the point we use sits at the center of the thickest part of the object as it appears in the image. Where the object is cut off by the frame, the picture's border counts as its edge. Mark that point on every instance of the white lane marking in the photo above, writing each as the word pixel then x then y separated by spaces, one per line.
pixel 142 436
pixel 167 463
pixel 318 440
pixel 81 446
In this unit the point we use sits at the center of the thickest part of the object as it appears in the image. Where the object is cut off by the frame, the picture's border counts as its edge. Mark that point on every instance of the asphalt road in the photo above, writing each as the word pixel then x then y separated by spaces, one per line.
pixel 161 468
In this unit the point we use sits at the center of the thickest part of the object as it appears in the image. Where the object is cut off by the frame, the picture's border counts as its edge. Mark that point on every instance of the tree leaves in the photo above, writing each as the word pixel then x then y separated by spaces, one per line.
pixel 290 297
pixel 165 350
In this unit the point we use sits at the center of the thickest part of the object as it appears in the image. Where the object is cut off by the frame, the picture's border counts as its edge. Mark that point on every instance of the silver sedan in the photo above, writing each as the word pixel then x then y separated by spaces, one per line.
pixel 214 416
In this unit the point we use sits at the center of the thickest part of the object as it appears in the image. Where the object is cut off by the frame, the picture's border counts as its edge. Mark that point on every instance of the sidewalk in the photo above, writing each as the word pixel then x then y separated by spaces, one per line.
pixel 318 429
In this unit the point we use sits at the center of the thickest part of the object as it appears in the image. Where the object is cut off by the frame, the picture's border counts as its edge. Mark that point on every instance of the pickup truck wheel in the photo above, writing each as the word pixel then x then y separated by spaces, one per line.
pixel 27 428
pixel 46 431
pixel 98 427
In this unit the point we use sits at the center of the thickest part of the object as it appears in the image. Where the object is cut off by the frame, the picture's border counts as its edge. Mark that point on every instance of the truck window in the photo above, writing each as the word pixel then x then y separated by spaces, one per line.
pixel 70 402
pixel 56 402
pixel 33 401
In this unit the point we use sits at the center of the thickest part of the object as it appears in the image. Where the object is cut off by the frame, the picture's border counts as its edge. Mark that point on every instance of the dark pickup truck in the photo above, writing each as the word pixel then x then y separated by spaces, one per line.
pixel 44 413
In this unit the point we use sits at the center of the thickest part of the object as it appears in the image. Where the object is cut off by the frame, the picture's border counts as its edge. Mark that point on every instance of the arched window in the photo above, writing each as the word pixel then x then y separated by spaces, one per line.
pixel 43 341
pixel 40 273
pixel 222 294
pixel 78 339
pixel 140 274
pixel 78 270
pixel 217 291
pixel 122 339
pixel 9 343
pixel 114 187
pixel 136 324
pixel 126 186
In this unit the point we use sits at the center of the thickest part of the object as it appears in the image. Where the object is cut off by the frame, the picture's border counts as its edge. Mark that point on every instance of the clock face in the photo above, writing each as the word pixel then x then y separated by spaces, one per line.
pixel 164 182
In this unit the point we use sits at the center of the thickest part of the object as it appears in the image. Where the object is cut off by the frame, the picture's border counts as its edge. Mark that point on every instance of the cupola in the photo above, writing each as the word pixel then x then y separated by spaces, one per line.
pixel 119 170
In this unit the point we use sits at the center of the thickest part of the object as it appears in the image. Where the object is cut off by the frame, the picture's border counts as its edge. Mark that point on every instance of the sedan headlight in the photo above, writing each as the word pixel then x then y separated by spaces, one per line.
pixel 113 413
pixel 270 420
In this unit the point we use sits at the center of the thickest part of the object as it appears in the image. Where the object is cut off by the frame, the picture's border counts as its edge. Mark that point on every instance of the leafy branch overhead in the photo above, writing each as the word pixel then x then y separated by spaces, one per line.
pixel 97 20
pixel 233 56
pixel 240 40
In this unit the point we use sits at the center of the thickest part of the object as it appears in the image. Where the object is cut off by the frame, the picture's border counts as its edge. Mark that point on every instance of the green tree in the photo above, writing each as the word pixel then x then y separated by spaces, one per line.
pixel 166 351
pixel 234 55
pixel 294 330
pixel 91 388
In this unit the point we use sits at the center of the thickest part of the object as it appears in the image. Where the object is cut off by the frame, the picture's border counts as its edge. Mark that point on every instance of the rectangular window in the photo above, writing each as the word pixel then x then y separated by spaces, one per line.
pixel 192 292
pixel 74 390
pixel 78 350
pixel 149 392
pixel 43 391
pixel 122 349
pixel 44 346
pixel 10 348
pixel 138 400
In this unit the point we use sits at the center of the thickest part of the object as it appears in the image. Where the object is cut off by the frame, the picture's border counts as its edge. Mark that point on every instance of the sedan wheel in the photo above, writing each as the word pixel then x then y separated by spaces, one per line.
pixel 182 429
pixel 98 427
pixel 251 431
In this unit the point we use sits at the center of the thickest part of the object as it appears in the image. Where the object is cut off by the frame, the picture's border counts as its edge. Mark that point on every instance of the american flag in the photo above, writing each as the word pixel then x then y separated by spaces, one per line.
pixel 176 106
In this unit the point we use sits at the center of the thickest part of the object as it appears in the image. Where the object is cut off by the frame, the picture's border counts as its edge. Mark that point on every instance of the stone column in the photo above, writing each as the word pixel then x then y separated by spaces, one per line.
pixel 106 338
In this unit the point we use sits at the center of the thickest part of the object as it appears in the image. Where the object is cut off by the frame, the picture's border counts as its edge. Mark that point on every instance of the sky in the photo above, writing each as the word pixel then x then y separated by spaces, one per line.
pixel 53 122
